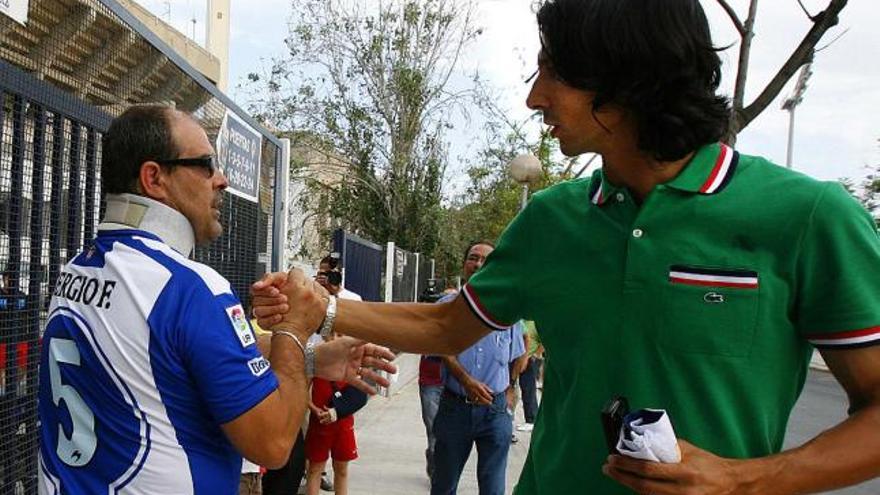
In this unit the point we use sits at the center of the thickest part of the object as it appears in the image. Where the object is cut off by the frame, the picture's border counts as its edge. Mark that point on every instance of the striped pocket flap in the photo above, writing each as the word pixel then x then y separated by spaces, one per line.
pixel 713 277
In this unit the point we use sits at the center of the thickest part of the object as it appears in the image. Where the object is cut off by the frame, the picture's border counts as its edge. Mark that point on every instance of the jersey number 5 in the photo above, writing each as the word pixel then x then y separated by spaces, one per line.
pixel 77 449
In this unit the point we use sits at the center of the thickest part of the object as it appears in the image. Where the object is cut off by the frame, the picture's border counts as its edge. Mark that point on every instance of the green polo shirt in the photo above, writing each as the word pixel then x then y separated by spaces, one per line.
pixel 705 301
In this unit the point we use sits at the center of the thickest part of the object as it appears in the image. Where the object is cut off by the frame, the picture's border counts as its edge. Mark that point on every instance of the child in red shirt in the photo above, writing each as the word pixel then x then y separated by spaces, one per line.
pixel 328 436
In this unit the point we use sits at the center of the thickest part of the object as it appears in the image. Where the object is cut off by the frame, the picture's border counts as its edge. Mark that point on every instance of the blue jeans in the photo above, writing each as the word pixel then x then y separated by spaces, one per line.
pixel 457 427
pixel 430 398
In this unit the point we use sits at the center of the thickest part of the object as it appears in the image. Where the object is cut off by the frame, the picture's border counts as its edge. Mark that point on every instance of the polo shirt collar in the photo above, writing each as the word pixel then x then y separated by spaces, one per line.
pixel 602 190
pixel 709 171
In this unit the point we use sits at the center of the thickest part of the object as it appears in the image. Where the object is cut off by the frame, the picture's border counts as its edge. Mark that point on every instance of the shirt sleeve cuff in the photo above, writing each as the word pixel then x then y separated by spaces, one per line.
pixel 473 301
pixel 845 340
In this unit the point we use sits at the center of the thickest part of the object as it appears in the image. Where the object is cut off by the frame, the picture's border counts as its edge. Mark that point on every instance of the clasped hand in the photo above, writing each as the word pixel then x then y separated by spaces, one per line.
pixel 293 302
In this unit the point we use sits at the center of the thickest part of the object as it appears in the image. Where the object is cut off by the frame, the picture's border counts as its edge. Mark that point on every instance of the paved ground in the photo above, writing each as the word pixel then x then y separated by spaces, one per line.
pixel 392 441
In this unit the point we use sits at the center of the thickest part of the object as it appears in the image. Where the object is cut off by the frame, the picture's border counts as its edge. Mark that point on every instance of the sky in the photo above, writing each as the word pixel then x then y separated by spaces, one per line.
pixel 837 126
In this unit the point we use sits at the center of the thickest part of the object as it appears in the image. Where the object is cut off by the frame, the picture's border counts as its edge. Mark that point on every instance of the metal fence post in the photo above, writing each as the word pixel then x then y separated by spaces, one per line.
pixel 416 280
pixel 389 272
pixel 279 234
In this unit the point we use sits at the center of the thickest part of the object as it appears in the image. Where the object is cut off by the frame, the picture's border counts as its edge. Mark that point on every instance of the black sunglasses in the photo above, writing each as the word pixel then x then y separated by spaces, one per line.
pixel 205 162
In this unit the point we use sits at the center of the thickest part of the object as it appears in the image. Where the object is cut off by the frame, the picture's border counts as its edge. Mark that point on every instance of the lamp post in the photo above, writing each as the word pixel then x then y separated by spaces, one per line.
pixel 525 169
pixel 789 105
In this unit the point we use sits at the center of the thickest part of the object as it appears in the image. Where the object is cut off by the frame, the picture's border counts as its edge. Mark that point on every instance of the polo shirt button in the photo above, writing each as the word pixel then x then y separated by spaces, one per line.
pixel 619 197
pixel 638 233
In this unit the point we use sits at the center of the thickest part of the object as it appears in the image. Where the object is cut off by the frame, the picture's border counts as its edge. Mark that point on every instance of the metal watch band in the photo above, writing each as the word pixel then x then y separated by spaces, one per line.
pixel 310 360
pixel 327 325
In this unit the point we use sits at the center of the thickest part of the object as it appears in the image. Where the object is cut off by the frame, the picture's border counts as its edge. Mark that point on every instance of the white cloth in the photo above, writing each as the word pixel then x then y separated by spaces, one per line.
pixel 648 434
pixel 347 294
pixel 248 466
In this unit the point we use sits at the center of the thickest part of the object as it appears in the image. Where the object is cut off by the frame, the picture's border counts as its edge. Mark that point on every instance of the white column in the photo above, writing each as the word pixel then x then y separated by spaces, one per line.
pixel 281 210
pixel 217 37
pixel 389 272
pixel 416 281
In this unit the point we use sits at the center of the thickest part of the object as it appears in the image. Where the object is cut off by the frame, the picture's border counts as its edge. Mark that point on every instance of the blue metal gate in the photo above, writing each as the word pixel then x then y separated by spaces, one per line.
pixel 362 262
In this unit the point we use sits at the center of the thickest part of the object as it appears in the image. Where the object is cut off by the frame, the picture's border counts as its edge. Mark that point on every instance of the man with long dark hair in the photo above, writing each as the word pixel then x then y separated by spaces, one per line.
pixel 697 279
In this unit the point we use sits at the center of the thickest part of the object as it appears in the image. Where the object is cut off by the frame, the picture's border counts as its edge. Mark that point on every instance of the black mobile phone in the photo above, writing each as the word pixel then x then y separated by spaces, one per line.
pixel 612 420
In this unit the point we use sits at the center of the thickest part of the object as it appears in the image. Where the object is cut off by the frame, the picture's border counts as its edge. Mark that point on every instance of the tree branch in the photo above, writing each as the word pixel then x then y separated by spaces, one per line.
pixel 807 12
pixel 745 50
pixel 801 55
pixel 733 17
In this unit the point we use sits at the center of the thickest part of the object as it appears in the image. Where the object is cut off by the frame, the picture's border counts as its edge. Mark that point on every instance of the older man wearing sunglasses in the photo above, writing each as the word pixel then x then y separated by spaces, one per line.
pixel 151 378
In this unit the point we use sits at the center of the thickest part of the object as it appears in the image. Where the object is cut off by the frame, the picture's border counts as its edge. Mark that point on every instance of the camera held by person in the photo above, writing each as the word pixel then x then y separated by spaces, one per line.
pixel 329 275
pixel 431 293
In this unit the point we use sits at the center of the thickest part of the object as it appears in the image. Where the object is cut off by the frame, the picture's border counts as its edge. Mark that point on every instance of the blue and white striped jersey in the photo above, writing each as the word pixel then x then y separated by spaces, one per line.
pixel 145 354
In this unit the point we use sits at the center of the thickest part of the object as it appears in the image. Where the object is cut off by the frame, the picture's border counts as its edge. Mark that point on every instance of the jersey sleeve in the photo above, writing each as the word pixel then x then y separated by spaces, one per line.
pixel 222 355
pixel 837 274
pixel 495 292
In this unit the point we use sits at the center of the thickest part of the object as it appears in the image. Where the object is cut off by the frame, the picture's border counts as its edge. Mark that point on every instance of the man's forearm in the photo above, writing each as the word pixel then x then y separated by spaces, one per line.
pixel 265 433
pixel 446 328
pixel 288 362
pixel 456 369
pixel 845 455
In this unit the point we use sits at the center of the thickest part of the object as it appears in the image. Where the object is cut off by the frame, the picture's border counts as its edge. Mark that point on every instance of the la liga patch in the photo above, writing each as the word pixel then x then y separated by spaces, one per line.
pixel 240 325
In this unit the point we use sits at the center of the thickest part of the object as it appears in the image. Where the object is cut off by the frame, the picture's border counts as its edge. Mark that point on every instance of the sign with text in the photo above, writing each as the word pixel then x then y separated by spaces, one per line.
pixel 239 148
pixel 16 9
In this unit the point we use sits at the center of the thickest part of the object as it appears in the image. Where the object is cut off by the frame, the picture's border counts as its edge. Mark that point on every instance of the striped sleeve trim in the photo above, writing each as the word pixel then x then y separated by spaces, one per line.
pixel 474 303
pixel 856 338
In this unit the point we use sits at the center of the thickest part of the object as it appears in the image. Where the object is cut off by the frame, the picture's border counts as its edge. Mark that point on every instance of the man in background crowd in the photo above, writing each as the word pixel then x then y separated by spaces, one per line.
pixel 330 277
pixel 431 379
pixel 528 378
pixel 476 402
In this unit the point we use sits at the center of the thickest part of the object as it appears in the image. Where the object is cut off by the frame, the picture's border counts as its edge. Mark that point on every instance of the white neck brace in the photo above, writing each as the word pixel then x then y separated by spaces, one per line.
pixel 131 211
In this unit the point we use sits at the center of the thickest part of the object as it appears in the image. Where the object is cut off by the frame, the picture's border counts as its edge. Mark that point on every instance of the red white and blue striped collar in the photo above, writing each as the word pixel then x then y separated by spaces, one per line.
pixel 709 172
pixel 601 189
pixel 597 197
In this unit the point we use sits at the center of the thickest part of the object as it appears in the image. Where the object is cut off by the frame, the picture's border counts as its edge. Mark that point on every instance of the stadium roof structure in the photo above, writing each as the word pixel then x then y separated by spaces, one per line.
pixel 89 49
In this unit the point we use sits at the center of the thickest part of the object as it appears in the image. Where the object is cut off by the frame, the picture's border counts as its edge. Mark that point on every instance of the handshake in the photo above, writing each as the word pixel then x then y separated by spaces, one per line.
pixel 294 303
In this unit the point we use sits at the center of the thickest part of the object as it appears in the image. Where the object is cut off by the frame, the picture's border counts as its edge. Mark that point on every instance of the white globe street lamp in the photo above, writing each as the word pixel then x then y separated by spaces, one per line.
pixel 525 169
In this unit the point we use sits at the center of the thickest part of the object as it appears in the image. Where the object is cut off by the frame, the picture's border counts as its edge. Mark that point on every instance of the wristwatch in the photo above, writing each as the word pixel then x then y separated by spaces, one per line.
pixel 327 325
pixel 309 355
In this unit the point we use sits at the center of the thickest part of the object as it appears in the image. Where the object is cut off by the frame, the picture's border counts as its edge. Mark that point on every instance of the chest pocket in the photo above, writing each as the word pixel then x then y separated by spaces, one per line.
pixel 710 311
pixel 501 346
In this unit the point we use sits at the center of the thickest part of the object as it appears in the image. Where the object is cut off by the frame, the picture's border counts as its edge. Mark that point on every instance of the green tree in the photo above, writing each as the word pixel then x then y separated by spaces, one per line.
pixel 374 84
pixel 492 198
pixel 867 191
